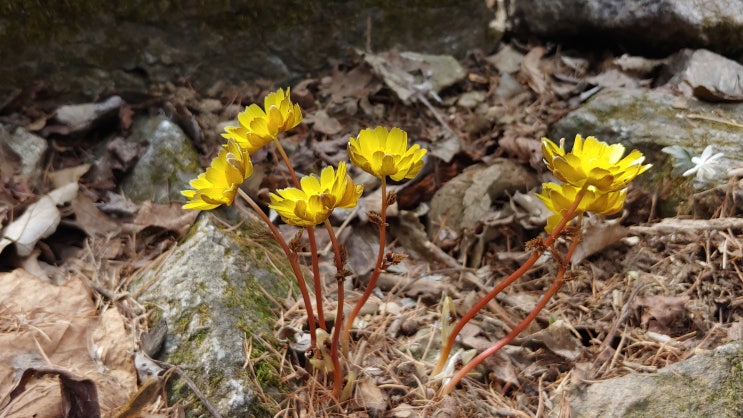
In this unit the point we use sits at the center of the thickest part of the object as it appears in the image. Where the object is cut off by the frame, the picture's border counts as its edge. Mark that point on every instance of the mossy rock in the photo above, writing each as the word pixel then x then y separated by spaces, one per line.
pixel 85 49
pixel 210 291
pixel 166 167
pixel 706 385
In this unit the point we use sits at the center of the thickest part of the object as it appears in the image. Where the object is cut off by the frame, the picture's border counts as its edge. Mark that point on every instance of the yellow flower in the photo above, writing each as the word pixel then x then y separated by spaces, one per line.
pixel 593 162
pixel 312 204
pixel 382 153
pixel 558 198
pixel 218 184
pixel 259 126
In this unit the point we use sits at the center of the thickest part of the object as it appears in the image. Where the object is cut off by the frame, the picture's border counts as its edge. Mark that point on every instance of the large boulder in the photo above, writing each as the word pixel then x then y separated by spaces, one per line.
pixel 82 48
pixel 652 27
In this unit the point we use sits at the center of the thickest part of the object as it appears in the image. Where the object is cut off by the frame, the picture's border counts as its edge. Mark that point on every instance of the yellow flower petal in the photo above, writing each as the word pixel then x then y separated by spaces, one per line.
pixel 318 197
pixel 383 153
pixel 259 126
pixel 593 163
pixel 559 198
pixel 219 183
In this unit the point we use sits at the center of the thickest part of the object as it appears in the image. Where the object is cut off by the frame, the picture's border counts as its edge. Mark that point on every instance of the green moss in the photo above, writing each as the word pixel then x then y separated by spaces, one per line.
pixel 729 397
pixel 684 397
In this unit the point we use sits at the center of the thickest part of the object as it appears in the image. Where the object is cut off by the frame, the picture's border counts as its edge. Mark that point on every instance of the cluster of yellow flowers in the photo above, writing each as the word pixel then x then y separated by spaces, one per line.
pixel 593 171
pixel 377 151
pixel 593 178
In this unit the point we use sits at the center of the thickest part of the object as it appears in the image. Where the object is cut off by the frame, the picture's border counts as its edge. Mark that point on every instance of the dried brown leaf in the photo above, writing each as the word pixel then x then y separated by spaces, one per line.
pixel 42 324
pixel 79 396
pixel 370 397
pixel 90 219
pixel 169 217
pixel 531 70
pixel 658 313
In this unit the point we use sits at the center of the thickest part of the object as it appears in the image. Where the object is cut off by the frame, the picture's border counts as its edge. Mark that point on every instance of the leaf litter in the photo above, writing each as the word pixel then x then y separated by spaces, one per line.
pixel 643 297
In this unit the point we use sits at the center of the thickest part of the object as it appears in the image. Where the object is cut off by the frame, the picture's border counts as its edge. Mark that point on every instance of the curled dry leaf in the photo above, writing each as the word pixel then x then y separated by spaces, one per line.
pixel 530 70
pixel 559 339
pixel 370 397
pixel 597 235
pixel 38 221
pixel 82 116
pixel 79 396
pixel 659 313
pixel 324 123
pixel 523 149
pixel 297 339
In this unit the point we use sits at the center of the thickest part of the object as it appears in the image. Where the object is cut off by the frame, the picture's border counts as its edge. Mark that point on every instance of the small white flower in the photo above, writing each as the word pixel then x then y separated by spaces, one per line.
pixel 704 165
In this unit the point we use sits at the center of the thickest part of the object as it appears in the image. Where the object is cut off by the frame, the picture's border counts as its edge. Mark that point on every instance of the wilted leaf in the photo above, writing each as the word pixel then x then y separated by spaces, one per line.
pixel 409 74
pixel 90 219
pixel 658 313
pixel 65 176
pixel 428 289
pixel 559 339
pixel 146 394
pixel 323 123
pixel 597 235
pixel 82 116
pixel 370 397
pixel 38 221
pixel 79 396
pixel 523 149
pixel 530 69
pixel 61 323
pixel 708 76
pixel 353 84
pixel 169 217
pixel 297 339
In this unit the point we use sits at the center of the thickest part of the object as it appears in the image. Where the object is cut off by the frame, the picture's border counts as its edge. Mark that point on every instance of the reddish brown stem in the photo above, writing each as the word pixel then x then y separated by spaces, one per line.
pixel 311 238
pixel 316 278
pixel 377 269
pixel 449 343
pixel 553 289
pixel 464 371
pixel 340 276
pixel 292 257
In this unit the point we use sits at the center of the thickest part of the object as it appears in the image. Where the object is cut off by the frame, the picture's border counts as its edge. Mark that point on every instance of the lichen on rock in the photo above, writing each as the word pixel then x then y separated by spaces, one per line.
pixel 209 290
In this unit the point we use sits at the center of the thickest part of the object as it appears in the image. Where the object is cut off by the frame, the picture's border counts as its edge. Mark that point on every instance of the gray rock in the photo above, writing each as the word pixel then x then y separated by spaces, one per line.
pixel 652 119
pixel 30 148
pixel 169 163
pixel 136 43
pixel 468 197
pixel 209 292
pixel 706 76
pixel 471 99
pixel 707 385
pixel 641 26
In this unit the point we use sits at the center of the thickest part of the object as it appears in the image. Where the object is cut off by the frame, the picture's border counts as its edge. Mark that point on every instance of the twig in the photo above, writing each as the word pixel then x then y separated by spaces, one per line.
pixel 691 226
pixel 713 119
pixel 199 394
